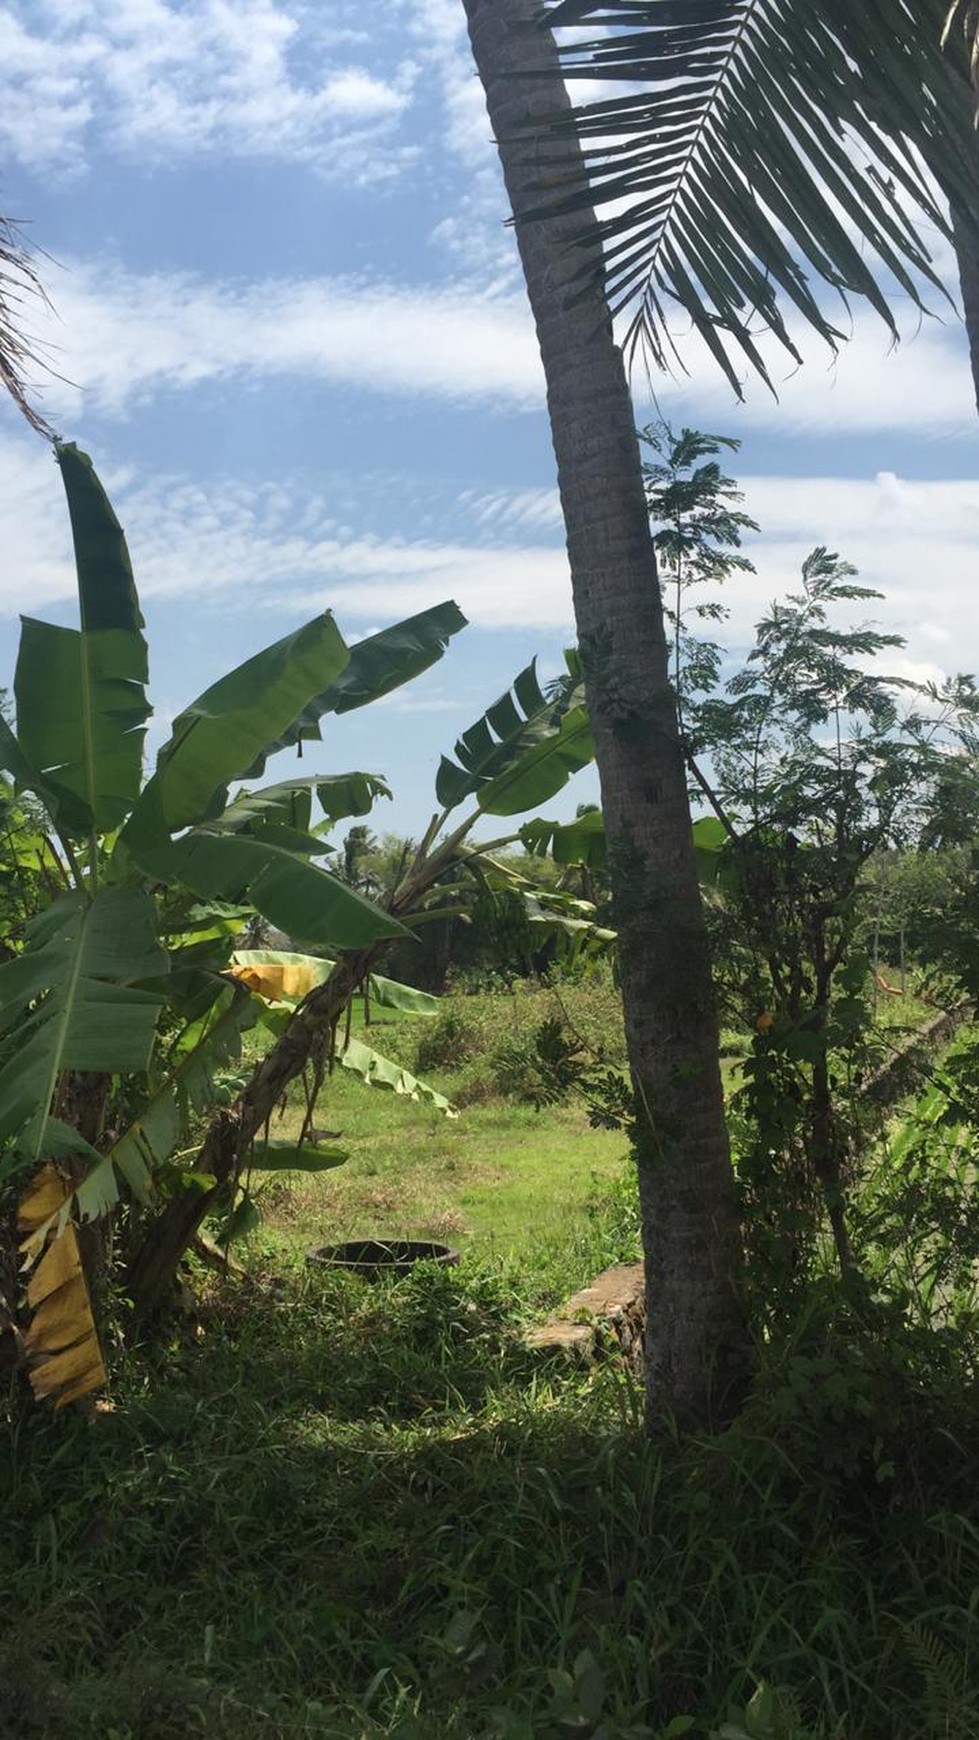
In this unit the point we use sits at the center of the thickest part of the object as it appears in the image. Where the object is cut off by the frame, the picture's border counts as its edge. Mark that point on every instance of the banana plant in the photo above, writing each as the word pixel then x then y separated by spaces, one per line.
pixel 521 752
pixel 115 1001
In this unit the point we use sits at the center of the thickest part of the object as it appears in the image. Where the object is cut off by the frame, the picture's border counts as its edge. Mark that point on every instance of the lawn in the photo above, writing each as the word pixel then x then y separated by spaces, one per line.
pixel 498 1176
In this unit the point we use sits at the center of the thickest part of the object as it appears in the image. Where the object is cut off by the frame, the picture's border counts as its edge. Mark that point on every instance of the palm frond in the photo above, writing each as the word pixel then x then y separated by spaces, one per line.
pixel 759 145
pixel 19 282
pixel 963 21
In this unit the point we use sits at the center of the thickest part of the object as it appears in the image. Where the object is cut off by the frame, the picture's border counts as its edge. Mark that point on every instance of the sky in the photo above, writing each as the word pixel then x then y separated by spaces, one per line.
pixel 288 324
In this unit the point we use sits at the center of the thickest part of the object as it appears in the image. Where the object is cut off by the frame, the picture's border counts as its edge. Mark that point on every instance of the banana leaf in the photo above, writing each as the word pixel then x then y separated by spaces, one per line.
pixel 64 1359
pixel 296 1157
pixel 296 896
pixel 488 747
pixel 579 842
pixel 70 1002
pixel 377 665
pixel 81 698
pixel 542 767
pixel 290 803
pixel 380 1071
pixel 154 1134
pixel 217 738
pixel 283 975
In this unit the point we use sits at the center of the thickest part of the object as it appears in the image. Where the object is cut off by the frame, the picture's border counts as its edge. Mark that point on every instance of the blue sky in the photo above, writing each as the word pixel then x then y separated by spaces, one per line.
pixel 294 338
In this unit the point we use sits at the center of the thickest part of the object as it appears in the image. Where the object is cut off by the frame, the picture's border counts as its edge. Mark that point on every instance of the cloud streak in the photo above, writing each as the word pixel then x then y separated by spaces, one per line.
pixel 237 548
pixel 125 337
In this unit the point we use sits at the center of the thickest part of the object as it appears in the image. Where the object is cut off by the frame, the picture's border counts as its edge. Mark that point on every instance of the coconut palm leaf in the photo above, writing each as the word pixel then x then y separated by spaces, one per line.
pixel 757 144
pixel 963 23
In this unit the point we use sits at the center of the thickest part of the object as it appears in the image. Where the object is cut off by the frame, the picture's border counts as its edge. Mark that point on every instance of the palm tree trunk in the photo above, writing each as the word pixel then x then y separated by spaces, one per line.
pixel 967 255
pixel 695 1335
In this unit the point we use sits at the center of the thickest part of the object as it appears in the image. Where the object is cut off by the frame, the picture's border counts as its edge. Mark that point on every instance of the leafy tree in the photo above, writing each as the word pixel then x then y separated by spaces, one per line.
pixel 115 1004
pixel 815 769
pixel 817 763
pixel 721 256
pixel 521 751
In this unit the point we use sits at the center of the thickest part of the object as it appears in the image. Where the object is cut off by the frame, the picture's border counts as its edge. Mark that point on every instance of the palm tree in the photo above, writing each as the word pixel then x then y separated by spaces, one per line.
pixel 727 103
pixel 18 282
pixel 696 1341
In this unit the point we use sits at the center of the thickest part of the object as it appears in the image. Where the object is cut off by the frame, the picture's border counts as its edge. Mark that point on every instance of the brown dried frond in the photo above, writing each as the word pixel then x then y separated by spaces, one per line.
pixel 19 281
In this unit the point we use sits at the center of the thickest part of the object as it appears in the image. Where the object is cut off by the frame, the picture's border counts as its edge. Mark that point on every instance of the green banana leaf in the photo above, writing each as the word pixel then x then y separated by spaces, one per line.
pixel 542 767
pixel 377 665
pixel 296 896
pixel 583 842
pixel 390 994
pixel 379 1071
pixel 290 802
pixel 70 1002
pixel 556 912
pixel 154 1134
pixel 487 748
pixel 81 698
pixel 25 774
pixel 579 842
pixel 295 1157
pixel 217 738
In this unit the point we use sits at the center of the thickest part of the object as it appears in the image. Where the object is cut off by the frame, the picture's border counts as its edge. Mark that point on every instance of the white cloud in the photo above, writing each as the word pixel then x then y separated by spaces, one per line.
pixel 157 80
pixel 916 542
pixel 922 385
pixel 473 232
pixel 123 337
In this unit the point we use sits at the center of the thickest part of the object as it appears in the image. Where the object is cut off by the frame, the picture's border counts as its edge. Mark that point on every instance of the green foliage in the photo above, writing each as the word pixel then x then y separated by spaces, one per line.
pixel 529 1042
pixel 521 751
pixel 698 531
pixel 118 1014
pixel 376 666
pixel 71 1001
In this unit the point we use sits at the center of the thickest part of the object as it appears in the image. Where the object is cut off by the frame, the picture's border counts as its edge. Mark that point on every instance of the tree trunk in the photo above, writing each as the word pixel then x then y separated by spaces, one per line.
pixel 967 255
pixel 696 1360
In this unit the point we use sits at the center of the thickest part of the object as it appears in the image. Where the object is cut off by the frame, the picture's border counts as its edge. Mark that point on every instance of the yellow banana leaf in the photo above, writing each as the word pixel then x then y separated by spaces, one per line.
pixel 62 1345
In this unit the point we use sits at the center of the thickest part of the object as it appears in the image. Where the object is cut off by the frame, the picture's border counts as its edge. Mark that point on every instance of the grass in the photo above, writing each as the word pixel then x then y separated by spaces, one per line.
pixel 502 1175
pixel 499 1176
pixel 355 1512
pixel 335 1510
